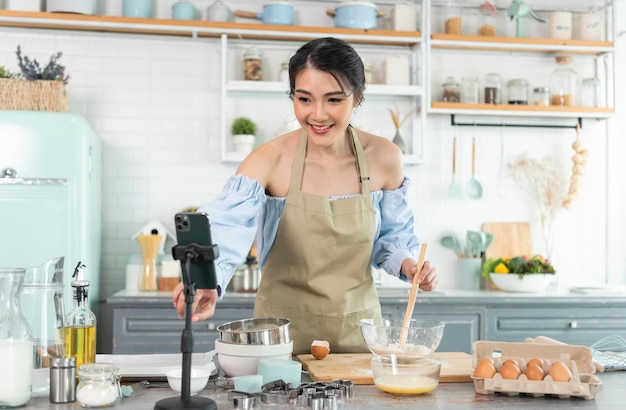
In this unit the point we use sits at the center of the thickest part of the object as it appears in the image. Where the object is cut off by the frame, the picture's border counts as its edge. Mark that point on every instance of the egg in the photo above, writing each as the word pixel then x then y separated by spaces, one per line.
pixel 535 360
pixel 510 361
pixel 510 371
pixel 534 372
pixel 560 372
pixel 485 368
pixel 320 349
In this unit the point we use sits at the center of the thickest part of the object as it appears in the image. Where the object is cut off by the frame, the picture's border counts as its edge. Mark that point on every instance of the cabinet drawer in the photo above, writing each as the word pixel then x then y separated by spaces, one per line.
pixel 570 325
pixel 158 330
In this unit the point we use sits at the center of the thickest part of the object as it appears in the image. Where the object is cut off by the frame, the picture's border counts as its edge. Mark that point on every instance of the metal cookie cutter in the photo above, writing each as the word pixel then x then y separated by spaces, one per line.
pixel 242 400
pixel 278 392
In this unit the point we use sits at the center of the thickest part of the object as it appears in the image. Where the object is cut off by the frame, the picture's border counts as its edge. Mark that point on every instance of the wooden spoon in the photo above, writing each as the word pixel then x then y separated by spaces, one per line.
pixel 412 296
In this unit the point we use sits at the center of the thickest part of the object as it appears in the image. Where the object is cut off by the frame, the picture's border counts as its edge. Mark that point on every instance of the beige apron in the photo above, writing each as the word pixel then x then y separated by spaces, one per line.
pixel 318 272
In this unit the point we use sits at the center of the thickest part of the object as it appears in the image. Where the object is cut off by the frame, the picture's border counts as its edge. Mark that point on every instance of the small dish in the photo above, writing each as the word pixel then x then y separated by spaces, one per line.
pixel 199 379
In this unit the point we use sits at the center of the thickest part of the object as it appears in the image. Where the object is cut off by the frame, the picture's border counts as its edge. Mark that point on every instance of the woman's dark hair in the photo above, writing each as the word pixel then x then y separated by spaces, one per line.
pixel 333 56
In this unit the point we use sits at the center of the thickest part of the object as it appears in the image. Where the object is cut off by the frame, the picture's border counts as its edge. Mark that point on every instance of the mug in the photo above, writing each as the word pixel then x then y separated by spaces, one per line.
pixel 183 10
pixel 137 8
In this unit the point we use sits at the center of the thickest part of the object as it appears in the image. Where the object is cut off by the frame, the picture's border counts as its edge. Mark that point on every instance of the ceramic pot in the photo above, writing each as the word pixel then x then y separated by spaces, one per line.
pixel 276 12
pixel 356 14
pixel 218 11
pixel 183 10
pixel 137 8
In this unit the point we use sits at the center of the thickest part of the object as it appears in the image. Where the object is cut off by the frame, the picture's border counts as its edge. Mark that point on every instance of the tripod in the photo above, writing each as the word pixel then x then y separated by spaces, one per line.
pixel 192 253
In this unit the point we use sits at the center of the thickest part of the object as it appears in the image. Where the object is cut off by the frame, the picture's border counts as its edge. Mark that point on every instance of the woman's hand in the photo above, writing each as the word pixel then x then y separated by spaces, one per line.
pixel 428 277
pixel 204 302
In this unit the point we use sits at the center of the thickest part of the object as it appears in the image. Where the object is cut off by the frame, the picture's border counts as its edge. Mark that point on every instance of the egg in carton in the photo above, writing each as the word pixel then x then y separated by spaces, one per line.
pixel 503 367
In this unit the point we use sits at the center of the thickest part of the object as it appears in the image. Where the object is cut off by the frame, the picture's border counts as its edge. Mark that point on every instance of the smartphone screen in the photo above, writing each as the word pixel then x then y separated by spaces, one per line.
pixel 194 228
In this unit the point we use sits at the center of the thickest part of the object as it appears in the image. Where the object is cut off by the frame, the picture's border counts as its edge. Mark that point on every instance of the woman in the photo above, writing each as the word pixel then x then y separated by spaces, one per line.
pixel 327 201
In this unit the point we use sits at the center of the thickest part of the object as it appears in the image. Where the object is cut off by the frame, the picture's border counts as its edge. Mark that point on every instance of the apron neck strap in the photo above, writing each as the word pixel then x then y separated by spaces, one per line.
pixel 361 165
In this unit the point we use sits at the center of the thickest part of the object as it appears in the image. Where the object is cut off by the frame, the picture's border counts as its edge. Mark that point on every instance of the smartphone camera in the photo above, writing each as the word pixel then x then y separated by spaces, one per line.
pixel 182 223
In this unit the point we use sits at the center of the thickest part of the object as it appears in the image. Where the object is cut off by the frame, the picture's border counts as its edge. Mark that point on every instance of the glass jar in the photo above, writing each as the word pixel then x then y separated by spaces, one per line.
pixel 469 90
pixel 452 19
pixel 369 75
pixel 590 92
pixel 518 91
pixel 283 74
pixel 16 342
pixel 564 83
pixel 451 91
pixel 488 19
pixel 98 385
pixel 493 89
pixel 252 64
pixel 541 96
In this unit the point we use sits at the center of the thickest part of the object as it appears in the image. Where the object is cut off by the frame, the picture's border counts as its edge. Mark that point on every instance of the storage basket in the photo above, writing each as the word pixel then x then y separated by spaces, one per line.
pixel 38 95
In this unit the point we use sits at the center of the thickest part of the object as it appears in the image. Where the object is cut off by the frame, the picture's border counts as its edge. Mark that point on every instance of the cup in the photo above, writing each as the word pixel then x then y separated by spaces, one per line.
pixel 137 8
pixel 287 370
pixel 249 384
pixel 468 273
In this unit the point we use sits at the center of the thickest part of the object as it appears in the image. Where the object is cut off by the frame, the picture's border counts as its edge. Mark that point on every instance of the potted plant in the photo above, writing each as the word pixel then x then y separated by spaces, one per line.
pixel 243 130
pixel 520 273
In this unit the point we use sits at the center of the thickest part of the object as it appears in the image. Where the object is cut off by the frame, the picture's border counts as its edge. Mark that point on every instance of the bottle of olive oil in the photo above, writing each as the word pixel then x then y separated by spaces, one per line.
pixel 80 324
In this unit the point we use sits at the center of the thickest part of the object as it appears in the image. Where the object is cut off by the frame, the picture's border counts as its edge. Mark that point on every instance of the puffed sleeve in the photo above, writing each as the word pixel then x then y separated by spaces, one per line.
pixel 233 216
pixel 396 240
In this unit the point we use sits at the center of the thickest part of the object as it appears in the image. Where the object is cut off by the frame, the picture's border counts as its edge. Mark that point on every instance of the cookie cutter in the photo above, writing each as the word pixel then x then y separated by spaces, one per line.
pixel 242 400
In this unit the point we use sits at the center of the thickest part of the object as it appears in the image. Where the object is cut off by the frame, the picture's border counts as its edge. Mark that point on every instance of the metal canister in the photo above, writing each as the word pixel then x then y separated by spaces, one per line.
pixel 62 379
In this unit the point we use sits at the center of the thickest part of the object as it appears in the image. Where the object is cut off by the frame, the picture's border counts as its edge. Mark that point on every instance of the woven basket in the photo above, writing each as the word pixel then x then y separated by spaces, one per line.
pixel 38 95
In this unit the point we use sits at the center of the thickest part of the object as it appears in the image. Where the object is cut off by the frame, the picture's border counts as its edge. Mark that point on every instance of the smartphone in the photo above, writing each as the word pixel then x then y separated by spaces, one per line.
pixel 194 228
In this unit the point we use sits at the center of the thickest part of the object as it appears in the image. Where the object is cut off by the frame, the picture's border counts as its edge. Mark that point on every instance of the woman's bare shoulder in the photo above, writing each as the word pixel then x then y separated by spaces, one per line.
pixel 384 159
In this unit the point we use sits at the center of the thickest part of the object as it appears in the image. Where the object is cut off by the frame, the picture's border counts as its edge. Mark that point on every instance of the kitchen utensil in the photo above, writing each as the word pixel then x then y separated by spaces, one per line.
pixel 452 242
pixel 473 189
pixel 356 14
pixel 454 191
pixel 411 303
pixel 473 244
pixel 509 239
pixel 455 367
pixel 247 277
pixel 72 6
pixel 406 376
pixel 242 360
pixel 276 12
pixel 257 331
pixel 218 11
pixel 382 336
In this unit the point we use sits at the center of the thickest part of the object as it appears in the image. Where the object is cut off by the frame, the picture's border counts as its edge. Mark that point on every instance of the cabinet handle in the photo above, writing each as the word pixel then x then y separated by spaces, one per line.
pixel 573 325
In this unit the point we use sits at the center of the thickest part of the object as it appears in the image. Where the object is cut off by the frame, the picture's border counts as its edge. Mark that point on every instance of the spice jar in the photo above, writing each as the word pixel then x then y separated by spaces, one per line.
pixel 518 91
pixel 283 74
pixel 451 91
pixel 488 14
pixel 493 89
pixel 564 83
pixel 99 385
pixel 369 75
pixel 469 90
pixel 252 64
pixel 541 96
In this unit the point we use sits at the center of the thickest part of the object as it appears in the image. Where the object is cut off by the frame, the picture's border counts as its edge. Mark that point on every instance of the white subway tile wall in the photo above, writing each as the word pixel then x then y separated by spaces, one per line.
pixel 155 103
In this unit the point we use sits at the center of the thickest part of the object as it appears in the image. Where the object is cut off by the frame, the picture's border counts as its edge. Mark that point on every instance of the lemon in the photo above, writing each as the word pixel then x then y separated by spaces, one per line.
pixel 501 268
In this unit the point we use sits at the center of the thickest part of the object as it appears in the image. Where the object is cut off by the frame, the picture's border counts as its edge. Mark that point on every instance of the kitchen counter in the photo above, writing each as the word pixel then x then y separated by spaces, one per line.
pixel 447 395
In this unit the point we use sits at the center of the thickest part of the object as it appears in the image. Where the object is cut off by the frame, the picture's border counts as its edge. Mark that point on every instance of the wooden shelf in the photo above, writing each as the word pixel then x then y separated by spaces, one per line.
pixel 520 110
pixel 517 44
pixel 198 28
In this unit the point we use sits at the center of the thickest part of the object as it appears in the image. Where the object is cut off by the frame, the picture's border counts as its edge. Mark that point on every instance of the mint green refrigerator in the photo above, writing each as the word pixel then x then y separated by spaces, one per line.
pixel 50 194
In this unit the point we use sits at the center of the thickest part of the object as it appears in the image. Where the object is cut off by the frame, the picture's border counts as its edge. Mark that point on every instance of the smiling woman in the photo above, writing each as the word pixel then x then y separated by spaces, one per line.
pixel 327 201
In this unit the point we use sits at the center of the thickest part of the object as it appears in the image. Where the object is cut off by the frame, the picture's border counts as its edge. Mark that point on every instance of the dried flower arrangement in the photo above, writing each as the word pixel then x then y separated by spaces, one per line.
pixel 397 123
pixel 548 186
pixel 32 70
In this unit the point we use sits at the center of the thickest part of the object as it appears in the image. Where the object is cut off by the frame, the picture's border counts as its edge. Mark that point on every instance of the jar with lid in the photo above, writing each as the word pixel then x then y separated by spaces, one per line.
pixel 452 19
pixel 564 83
pixel 451 91
pixel 493 89
pixel 253 64
pixel 283 74
pixel 369 75
pixel 518 91
pixel 98 385
pixel 541 96
pixel 590 92
pixel 488 16
pixel 16 342
pixel 469 90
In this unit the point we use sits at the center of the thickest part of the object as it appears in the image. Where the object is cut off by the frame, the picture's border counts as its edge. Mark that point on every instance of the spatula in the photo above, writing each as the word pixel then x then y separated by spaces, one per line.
pixel 412 296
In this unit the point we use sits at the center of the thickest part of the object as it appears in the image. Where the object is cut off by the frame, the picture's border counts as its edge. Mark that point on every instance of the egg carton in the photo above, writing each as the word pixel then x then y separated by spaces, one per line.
pixel 583 383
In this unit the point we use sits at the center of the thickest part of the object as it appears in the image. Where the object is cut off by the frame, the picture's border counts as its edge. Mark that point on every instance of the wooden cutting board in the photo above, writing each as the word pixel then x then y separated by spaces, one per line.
pixel 455 367
pixel 509 239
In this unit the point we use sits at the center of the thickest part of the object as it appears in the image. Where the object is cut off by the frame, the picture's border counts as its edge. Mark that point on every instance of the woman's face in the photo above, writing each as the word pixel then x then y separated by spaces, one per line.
pixel 322 109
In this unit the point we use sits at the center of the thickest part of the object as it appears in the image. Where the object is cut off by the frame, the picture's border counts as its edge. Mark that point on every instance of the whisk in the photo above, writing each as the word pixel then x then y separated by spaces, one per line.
pixel 610 352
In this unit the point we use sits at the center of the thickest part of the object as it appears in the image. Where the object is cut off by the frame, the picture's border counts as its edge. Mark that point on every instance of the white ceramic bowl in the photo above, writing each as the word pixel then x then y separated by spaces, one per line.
pixel 242 360
pixel 199 379
pixel 528 283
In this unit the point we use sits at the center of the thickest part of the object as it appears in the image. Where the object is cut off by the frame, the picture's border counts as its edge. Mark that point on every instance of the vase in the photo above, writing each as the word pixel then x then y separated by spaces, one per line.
pixel 244 143
pixel 397 139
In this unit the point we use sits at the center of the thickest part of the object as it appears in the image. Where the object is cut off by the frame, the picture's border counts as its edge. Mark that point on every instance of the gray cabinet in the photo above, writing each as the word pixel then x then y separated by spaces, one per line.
pixel 574 325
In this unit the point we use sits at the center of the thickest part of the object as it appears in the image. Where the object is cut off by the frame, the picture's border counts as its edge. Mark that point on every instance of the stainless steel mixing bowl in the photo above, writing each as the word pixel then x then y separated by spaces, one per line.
pixel 256 331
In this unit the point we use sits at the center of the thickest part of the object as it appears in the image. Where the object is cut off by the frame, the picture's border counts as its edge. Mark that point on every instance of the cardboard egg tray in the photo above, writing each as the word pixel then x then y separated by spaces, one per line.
pixel 583 384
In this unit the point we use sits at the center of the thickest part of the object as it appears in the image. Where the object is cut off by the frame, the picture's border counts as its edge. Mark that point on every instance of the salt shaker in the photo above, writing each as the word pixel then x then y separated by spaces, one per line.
pixel 62 379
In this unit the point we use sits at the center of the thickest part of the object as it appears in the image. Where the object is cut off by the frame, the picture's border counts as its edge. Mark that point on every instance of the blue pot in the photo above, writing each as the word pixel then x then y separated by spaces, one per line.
pixel 183 10
pixel 356 14
pixel 137 8
pixel 276 12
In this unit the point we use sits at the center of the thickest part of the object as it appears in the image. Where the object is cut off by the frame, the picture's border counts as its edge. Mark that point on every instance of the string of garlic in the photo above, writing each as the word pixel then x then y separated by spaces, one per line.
pixel 579 162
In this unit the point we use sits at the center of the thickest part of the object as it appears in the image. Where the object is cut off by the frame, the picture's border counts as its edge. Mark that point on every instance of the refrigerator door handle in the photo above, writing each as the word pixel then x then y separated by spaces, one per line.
pixel 9 177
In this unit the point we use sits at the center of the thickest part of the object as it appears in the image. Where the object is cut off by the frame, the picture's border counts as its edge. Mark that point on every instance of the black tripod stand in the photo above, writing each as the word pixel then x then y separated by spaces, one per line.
pixel 192 253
